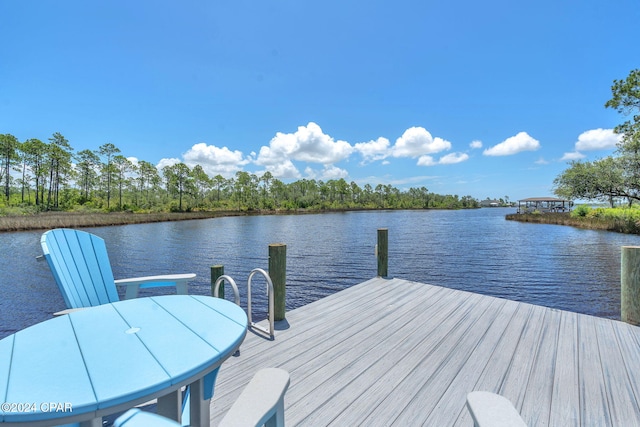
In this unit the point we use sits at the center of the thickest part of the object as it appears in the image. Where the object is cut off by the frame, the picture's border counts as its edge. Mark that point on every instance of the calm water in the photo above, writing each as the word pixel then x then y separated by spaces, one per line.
pixel 475 250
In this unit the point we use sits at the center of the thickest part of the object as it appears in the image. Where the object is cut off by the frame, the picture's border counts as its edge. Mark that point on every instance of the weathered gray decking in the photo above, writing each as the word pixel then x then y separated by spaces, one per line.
pixel 394 352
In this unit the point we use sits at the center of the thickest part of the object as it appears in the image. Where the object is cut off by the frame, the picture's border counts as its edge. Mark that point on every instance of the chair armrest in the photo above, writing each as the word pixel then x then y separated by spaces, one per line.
pixel 133 284
pixel 261 402
pixel 67 311
pixel 165 278
pixel 492 410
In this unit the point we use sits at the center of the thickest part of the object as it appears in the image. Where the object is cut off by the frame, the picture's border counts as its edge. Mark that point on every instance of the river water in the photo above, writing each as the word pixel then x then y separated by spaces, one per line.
pixel 473 250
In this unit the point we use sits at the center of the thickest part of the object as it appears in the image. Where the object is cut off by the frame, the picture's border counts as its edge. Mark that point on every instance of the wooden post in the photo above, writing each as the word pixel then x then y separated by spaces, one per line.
pixel 383 252
pixel 278 274
pixel 630 285
pixel 217 271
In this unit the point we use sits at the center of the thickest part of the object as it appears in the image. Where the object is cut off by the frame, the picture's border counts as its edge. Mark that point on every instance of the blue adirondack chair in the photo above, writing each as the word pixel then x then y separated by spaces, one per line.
pixel 80 265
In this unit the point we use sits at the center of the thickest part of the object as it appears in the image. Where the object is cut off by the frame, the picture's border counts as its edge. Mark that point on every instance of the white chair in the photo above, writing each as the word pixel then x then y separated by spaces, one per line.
pixel 492 410
pixel 260 403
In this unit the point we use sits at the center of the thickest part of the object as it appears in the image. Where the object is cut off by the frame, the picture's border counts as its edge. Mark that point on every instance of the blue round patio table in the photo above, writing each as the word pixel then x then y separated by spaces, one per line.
pixel 102 360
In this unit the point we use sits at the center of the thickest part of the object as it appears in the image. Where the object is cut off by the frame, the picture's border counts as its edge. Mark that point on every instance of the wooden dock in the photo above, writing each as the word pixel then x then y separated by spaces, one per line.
pixel 400 353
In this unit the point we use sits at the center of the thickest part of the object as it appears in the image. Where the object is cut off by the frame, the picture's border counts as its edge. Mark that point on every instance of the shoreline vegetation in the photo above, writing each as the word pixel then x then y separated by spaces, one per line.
pixel 55 179
pixel 619 220
pixel 50 220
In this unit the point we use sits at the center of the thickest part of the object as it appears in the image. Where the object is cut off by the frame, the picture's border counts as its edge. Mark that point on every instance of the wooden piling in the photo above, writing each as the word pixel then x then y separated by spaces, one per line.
pixel 278 274
pixel 383 252
pixel 630 285
pixel 217 271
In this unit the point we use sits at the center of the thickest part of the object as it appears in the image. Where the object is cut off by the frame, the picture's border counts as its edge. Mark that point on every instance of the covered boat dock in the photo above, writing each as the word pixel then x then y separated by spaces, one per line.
pixel 544 205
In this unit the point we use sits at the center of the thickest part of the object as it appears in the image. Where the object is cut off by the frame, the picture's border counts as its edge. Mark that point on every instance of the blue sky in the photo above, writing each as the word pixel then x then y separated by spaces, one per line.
pixel 488 99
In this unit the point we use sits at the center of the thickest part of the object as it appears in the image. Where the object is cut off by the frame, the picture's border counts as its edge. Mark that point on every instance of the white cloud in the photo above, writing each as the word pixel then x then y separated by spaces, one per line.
pixel 594 139
pixel 476 144
pixel 215 160
pixel 307 144
pixel 310 173
pixel 597 139
pixel 373 150
pixel 284 170
pixel 426 161
pixel 541 161
pixel 575 155
pixel 270 157
pixel 167 162
pixel 334 172
pixel 414 142
pixel 448 159
pixel 327 173
pixel 513 145
pixel 417 141
pixel 453 158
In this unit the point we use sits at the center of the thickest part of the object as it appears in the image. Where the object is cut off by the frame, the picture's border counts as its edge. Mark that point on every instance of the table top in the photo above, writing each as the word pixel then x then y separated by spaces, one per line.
pixel 103 359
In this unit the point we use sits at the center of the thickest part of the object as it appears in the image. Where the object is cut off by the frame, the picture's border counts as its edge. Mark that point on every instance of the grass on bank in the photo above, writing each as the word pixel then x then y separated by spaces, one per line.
pixel 619 219
pixel 21 221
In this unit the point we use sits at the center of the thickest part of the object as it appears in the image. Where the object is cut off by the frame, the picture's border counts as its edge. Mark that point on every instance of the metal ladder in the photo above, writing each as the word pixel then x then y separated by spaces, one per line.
pixel 261 329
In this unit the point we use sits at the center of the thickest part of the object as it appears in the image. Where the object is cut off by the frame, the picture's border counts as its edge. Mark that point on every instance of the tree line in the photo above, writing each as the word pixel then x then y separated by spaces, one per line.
pixel 616 178
pixel 51 176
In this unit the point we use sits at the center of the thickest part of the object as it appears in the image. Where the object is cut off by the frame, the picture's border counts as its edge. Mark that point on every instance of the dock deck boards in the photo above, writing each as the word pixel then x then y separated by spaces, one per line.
pixel 394 352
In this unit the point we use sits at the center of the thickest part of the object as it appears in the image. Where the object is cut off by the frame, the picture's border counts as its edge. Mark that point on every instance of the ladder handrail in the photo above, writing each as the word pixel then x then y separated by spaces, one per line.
pixel 236 293
pixel 270 298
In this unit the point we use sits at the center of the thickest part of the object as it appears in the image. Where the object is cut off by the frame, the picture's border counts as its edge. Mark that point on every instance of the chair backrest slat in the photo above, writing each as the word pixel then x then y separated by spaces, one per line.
pixel 80 265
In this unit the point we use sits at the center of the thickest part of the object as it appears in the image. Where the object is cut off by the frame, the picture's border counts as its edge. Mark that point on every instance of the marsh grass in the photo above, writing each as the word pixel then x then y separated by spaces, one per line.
pixel 20 219
pixel 621 220
pixel 49 220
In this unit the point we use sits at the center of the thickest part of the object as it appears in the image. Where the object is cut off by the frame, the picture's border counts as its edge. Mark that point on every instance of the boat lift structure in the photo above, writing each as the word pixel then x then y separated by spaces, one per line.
pixel 544 205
